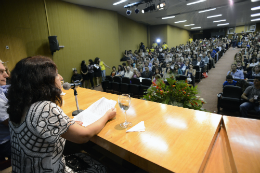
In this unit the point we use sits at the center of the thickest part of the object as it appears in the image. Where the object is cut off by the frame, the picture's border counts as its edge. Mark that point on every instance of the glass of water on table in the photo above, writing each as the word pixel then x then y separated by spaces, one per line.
pixel 124 101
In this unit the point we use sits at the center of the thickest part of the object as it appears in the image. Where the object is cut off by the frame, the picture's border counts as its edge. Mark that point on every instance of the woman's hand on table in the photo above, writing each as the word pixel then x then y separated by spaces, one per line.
pixel 111 113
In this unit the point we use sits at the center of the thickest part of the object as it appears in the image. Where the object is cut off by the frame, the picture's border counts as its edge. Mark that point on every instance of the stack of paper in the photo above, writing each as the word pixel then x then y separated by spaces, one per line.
pixel 95 111
pixel 137 128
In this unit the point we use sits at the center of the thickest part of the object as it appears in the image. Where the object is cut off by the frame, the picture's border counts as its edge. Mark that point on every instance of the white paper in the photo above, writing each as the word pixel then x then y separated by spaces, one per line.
pixel 137 128
pixel 95 111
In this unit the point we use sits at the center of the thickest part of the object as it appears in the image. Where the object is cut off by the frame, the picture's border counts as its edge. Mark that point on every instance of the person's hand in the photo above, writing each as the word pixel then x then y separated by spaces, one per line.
pixel 251 100
pixel 111 113
pixel 79 123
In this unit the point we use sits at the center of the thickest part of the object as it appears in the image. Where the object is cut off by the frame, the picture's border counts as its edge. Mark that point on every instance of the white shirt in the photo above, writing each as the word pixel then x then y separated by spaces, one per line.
pixel 129 74
pixel 4 130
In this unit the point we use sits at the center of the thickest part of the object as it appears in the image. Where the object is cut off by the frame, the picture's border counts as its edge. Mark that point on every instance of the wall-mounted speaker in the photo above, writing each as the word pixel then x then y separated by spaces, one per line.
pixel 54 44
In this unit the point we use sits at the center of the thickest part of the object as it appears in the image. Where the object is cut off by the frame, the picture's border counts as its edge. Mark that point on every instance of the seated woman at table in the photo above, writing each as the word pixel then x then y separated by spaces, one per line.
pixel 38 126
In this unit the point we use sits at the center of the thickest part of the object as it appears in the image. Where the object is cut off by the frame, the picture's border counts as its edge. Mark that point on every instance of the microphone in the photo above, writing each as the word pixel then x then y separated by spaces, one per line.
pixel 67 85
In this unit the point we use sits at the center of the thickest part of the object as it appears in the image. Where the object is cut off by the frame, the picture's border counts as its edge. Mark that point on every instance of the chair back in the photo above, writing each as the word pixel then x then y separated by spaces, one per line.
pixel 249 69
pixel 181 77
pixel 126 80
pixel 147 82
pixel 196 67
pixel 109 78
pixel 232 91
pixel 135 81
pixel 117 79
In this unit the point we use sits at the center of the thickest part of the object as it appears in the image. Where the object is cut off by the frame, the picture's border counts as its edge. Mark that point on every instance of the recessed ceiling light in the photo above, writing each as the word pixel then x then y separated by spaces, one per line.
pixel 180 21
pixel 168 17
pixel 254 15
pixel 196 2
pixel 189 25
pixel 223 24
pixel 254 0
pixel 215 16
pixel 119 2
pixel 255 19
pixel 195 27
pixel 255 8
pixel 219 21
pixel 207 10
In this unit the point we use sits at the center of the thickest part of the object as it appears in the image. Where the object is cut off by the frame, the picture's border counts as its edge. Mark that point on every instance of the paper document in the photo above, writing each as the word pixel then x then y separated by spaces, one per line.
pixel 137 128
pixel 95 111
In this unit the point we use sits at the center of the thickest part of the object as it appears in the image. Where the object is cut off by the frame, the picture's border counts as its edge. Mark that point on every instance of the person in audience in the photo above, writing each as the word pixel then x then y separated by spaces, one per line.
pixel 136 73
pixel 120 71
pixel 97 70
pixel 146 64
pixel 176 71
pixel 253 62
pixel 229 81
pixel 103 69
pixel 156 77
pixel 128 73
pixel 113 73
pixel 147 73
pixel 213 61
pixel 164 46
pixel 34 110
pixel 84 73
pixel 155 67
pixel 255 72
pixel 168 74
pixel 157 71
pixel 205 59
pixel 190 72
pixel 5 145
pixel 154 45
pixel 237 74
pixel 91 72
pixel 185 66
pixel 252 97
pixel 124 66
pixel 76 78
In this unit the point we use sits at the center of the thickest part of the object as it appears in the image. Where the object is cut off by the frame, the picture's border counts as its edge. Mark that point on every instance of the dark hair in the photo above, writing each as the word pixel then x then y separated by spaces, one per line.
pixel 96 61
pixel 251 60
pixel 91 61
pixel 121 68
pixel 82 63
pixel 33 80
pixel 258 78
pixel 229 77
pixel 113 67
pixel 124 64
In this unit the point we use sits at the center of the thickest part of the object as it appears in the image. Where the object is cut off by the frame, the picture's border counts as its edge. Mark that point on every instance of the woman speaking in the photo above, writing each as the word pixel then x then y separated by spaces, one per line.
pixel 38 126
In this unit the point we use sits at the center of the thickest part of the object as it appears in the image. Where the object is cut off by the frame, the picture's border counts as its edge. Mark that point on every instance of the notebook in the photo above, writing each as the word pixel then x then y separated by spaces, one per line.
pixel 95 111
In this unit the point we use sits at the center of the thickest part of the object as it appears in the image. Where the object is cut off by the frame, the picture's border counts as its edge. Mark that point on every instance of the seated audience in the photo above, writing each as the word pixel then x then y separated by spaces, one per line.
pixel 177 70
pixel 128 73
pixel 229 81
pixel 237 74
pixel 255 72
pixel 5 145
pixel 136 73
pixel 113 73
pixel 120 71
pixel 190 72
pixel 147 73
pixel 252 97
pixel 168 74
pixel 77 78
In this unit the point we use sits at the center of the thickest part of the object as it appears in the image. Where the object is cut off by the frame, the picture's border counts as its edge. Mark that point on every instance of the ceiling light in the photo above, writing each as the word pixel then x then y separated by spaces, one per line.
pixel 214 16
pixel 223 24
pixel 128 12
pixel 196 2
pixel 180 21
pixel 161 6
pixel 219 21
pixel 158 40
pixel 254 15
pixel 119 2
pixel 255 19
pixel 195 27
pixel 207 10
pixel 254 0
pixel 189 25
pixel 255 8
pixel 168 17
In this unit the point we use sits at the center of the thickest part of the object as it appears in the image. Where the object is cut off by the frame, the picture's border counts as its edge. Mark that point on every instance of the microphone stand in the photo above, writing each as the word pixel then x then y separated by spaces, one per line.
pixel 76 112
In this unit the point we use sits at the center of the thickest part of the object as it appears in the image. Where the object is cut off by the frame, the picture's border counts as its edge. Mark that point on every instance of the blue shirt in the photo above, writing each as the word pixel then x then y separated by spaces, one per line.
pixel 233 83
pixel 237 75
pixel 4 130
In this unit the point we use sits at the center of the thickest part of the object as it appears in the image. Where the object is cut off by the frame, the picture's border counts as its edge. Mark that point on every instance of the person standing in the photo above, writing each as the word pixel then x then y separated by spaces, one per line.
pixel 84 73
pixel 97 70
pixel 5 146
pixel 91 72
pixel 103 69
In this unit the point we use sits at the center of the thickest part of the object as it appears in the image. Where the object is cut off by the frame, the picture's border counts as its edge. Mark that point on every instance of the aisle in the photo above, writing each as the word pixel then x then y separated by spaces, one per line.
pixel 212 85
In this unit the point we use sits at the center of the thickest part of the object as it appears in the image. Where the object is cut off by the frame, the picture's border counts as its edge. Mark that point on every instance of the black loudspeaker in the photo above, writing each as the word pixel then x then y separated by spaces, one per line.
pixel 54 44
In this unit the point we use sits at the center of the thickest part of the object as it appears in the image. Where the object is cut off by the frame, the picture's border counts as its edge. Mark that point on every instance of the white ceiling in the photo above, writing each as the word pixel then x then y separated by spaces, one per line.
pixel 236 15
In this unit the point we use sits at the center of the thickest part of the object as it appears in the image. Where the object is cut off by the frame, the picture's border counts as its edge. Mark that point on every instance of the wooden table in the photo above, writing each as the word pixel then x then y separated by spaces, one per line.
pixel 175 140
pixel 244 140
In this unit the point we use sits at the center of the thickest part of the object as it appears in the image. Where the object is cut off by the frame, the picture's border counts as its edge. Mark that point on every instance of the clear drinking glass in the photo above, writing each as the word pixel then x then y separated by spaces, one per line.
pixel 124 101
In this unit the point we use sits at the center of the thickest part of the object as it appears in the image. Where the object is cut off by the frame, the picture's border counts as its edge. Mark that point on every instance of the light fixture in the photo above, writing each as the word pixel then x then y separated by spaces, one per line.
pixel 255 8
pixel 214 16
pixel 255 19
pixel 137 11
pixel 180 21
pixel 128 12
pixel 231 2
pixel 161 6
pixel 207 10
pixel 158 40
pixel 254 0
pixel 142 11
pixel 223 24
pixel 189 25
pixel 196 27
pixel 168 17
pixel 196 2
pixel 219 21
pixel 254 15
pixel 119 2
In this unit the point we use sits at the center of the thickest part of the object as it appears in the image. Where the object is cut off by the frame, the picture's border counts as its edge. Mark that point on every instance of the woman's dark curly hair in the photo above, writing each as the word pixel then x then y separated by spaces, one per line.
pixel 33 80
pixel 96 61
